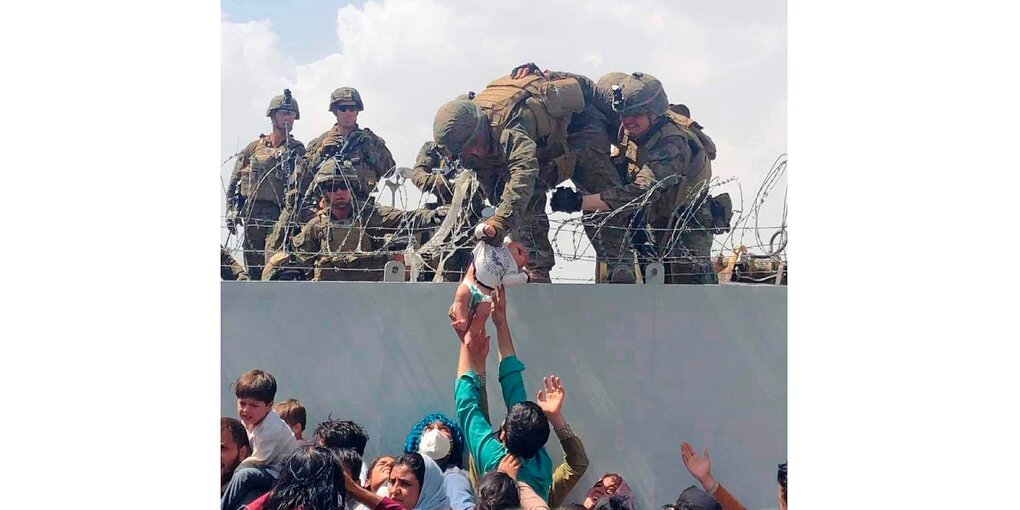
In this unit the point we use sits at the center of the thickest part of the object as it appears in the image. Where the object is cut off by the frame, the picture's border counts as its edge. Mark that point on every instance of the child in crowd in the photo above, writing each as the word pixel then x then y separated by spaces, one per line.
pixel 492 267
pixel 294 414
pixel 270 437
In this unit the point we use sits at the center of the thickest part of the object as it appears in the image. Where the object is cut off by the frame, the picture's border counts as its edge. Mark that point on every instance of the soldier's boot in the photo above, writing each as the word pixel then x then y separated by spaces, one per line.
pixel 622 274
pixel 539 274
pixel 533 233
pixel 691 260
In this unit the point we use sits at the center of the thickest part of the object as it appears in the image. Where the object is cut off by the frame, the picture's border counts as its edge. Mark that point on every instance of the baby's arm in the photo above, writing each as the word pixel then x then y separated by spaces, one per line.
pixel 513 280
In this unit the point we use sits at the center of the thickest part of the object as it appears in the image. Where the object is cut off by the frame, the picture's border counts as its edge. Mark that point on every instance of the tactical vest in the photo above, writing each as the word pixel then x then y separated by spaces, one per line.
pixel 551 103
pixel 360 156
pixel 707 144
pixel 265 177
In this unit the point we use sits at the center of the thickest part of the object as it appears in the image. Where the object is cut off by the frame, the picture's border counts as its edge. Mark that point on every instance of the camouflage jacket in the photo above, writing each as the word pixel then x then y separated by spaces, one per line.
pixel 230 269
pixel 342 249
pixel 430 175
pixel 663 154
pixel 263 172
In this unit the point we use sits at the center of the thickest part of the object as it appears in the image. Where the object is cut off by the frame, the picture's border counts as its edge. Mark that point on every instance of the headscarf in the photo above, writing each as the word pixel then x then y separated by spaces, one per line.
pixel 432 495
pixel 456 457
pixel 693 498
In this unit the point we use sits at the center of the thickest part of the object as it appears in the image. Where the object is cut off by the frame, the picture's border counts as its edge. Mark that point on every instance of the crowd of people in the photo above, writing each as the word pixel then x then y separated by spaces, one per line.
pixel 641 167
pixel 446 463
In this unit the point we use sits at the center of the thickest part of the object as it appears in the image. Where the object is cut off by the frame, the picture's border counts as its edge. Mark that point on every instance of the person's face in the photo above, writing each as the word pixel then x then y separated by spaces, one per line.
pixel 283 119
pixel 252 411
pixel 380 473
pixel 338 200
pixel 404 487
pixel 346 115
pixel 779 494
pixel 636 125
pixel 611 484
pixel 519 253
pixel 230 456
pixel 442 429
pixel 471 155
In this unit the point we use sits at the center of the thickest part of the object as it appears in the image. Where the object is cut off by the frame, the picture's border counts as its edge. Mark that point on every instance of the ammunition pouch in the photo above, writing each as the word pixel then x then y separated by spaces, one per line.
pixel 721 208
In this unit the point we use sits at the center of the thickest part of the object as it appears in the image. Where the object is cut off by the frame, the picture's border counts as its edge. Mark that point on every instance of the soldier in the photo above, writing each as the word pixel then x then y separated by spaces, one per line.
pixel 667 163
pixel 514 134
pixel 346 141
pixel 434 173
pixel 339 241
pixel 685 118
pixel 261 175
pixel 349 144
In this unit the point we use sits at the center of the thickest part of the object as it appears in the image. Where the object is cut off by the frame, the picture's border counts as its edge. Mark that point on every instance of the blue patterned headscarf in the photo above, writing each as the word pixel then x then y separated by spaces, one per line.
pixel 456 457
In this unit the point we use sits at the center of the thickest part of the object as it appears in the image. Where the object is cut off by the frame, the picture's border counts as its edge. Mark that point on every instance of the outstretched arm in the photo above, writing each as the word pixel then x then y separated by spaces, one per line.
pixel 700 468
pixel 575 462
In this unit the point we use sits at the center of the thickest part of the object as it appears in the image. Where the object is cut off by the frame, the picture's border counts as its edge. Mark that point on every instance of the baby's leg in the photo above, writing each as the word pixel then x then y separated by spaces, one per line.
pixel 478 320
pixel 460 310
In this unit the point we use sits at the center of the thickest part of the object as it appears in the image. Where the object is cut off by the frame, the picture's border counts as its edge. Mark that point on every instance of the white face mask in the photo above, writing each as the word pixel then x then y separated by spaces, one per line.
pixel 435 444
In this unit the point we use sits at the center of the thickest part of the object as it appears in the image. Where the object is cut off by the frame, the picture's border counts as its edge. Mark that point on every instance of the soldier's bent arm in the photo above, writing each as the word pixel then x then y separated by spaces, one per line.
pixel 666 162
pixel 520 152
pixel 601 98
pixel 424 179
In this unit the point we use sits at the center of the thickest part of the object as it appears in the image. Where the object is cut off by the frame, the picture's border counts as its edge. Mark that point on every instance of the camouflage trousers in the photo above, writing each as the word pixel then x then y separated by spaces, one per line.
pixel 259 219
pixel 689 259
pixel 595 173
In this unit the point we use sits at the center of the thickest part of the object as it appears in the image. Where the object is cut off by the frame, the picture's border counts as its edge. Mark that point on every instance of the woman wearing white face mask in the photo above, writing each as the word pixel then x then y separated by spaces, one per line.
pixel 439 437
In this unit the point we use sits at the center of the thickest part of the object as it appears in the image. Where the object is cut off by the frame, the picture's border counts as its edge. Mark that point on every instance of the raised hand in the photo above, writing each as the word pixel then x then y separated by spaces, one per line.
pixel 498 312
pixel 700 467
pixel 510 465
pixel 550 398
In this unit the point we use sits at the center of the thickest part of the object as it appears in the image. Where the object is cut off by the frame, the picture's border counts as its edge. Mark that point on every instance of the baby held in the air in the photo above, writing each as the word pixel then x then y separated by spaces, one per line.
pixel 492 267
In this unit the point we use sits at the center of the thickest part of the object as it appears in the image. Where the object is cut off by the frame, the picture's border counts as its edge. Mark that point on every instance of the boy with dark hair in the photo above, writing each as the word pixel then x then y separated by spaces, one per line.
pixel 270 438
pixel 781 478
pixel 526 427
pixel 293 412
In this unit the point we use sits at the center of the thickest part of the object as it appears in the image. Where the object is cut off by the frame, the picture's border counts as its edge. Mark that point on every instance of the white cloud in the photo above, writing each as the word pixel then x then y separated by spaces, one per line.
pixel 407 57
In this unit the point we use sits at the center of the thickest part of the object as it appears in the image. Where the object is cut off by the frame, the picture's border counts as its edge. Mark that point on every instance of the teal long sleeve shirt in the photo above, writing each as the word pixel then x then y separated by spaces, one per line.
pixel 482 443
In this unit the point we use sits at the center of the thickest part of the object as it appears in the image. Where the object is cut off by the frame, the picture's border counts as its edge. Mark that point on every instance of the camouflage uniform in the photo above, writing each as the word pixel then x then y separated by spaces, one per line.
pixel 259 183
pixel 230 269
pixel 432 173
pixel 527 154
pixel 341 249
pixel 367 155
pixel 671 154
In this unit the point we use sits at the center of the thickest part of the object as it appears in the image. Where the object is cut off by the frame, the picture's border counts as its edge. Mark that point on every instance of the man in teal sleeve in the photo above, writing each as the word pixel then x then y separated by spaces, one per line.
pixel 525 430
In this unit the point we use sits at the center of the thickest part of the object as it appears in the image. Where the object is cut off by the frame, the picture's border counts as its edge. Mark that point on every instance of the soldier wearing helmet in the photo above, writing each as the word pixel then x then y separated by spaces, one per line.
pixel 346 237
pixel 258 185
pixel 665 163
pixel 346 142
pixel 514 135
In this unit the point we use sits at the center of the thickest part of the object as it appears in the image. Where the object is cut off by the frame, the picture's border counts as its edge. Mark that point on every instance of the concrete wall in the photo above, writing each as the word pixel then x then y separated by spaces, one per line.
pixel 644 367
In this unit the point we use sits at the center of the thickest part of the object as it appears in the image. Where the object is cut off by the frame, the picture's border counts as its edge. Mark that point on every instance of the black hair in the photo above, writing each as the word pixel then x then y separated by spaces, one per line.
pixel 614 502
pixel 416 463
pixel 526 428
pixel 781 478
pixel 310 479
pixel 496 491
pixel 237 432
pixel 694 498
pixel 349 458
pixel 341 434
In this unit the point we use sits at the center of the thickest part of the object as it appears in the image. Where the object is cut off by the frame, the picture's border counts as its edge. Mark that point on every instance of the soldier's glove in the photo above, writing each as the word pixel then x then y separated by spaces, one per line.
pixel 524 69
pixel 566 200
pixel 497 223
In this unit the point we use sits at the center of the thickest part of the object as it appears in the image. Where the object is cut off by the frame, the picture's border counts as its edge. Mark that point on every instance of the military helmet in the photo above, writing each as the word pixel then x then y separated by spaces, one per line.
pixel 334 174
pixel 346 96
pixel 607 81
pixel 284 102
pixel 457 123
pixel 640 93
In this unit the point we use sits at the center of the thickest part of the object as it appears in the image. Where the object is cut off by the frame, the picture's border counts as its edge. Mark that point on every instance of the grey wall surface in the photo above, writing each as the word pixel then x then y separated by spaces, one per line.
pixel 644 368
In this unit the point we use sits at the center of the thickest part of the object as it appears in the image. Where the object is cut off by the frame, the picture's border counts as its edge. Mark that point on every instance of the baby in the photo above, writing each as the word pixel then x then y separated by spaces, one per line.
pixel 492 267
